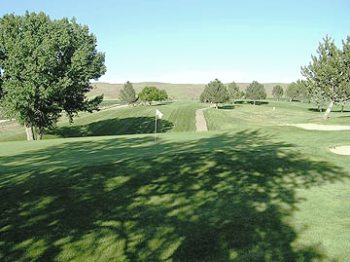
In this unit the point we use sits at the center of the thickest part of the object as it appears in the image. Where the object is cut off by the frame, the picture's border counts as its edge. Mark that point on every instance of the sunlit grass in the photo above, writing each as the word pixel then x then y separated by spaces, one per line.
pixel 249 190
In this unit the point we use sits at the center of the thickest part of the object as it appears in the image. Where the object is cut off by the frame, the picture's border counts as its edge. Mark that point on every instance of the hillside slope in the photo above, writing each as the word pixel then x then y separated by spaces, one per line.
pixel 175 91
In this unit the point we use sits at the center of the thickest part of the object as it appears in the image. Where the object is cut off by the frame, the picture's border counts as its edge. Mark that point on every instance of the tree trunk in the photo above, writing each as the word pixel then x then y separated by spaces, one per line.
pixel 216 105
pixel 342 108
pixel 254 102
pixel 329 109
pixel 29 132
pixel 40 134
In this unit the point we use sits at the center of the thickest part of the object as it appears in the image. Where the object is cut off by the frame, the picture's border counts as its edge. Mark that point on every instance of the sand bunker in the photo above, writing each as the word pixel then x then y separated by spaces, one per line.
pixel 341 150
pixel 321 127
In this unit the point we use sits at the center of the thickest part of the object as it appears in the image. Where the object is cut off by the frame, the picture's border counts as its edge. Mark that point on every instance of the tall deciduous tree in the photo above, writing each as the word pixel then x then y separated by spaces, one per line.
pixel 46 67
pixel 255 91
pixel 277 92
pixel 327 72
pixel 215 92
pixel 127 94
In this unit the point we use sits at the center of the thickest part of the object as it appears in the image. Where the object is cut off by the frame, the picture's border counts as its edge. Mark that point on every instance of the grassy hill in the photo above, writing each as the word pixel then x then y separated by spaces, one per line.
pixel 178 117
pixel 175 91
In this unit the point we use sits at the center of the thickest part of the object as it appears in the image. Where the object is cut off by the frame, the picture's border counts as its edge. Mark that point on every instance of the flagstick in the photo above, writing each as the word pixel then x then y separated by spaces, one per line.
pixel 155 130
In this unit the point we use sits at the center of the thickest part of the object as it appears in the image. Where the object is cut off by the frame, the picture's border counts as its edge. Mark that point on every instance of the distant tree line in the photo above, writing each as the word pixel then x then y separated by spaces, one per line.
pixel 216 92
pixel 148 94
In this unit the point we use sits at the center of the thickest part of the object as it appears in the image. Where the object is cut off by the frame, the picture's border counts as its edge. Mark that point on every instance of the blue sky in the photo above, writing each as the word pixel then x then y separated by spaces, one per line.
pixel 195 41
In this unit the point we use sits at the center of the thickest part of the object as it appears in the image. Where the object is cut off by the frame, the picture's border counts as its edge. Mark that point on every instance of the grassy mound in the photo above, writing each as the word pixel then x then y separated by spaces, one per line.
pixel 178 117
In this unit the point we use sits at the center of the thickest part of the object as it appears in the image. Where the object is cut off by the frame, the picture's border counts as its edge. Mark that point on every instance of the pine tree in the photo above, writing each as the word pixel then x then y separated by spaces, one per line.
pixel 255 91
pixel 127 94
pixel 215 92
pixel 234 92
pixel 326 73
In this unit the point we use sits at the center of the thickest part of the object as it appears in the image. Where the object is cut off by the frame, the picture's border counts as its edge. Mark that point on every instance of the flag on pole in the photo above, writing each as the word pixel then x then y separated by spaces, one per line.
pixel 159 114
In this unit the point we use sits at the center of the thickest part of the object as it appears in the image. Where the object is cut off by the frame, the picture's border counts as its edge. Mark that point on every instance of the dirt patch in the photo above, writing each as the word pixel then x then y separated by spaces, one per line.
pixel 321 127
pixel 201 124
pixel 341 150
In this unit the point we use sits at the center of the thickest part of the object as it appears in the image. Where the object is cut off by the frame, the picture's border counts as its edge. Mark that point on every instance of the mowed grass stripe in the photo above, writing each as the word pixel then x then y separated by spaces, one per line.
pixel 178 117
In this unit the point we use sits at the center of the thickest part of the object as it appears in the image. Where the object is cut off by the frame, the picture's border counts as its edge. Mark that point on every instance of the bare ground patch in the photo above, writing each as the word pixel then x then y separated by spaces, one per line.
pixel 201 124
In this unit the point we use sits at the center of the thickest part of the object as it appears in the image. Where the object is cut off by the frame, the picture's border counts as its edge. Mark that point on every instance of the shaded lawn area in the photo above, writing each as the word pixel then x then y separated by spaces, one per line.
pixel 178 117
pixel 225 197
pixel 114 126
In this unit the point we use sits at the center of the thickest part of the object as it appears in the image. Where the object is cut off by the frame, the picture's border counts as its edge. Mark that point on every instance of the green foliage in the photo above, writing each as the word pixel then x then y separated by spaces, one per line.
pixel 255 91
pixel 234 92
pixel 328 73
pixel 277 92
pixel 215 92
pixel 293 91
pixel 317 97
pixel 46 67
pixel 127 94
pixel 151 93
pixel 299 90
pixel 162 95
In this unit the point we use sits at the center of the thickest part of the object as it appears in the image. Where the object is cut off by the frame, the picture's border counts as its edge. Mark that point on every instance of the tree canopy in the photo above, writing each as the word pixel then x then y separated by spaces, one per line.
pixel 293 91
pixel 234 92
pixel 255 91
pixel 127 94
pixel 45 69
pixel 215 92
pixel 152 93
pixel 277 92
pixel 328 72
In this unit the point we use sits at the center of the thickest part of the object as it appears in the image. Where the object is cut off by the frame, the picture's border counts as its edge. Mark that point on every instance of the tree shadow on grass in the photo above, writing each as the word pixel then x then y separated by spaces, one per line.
pixel 220 198
pixel 257 102
pixel 312 109
pixel 115 126
pixel 227 107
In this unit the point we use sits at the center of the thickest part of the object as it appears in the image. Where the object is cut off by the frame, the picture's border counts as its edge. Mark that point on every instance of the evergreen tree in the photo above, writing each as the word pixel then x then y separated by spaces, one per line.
pixel 327 73
pixel 234 92
pixel 127 94
pixel 215 92
pixel 255 91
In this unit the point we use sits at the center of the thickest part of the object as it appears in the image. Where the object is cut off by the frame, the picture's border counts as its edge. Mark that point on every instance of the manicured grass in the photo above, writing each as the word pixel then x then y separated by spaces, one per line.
pixel 247 196
pixel 178 117
pixel 249 191
pixel 244 115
